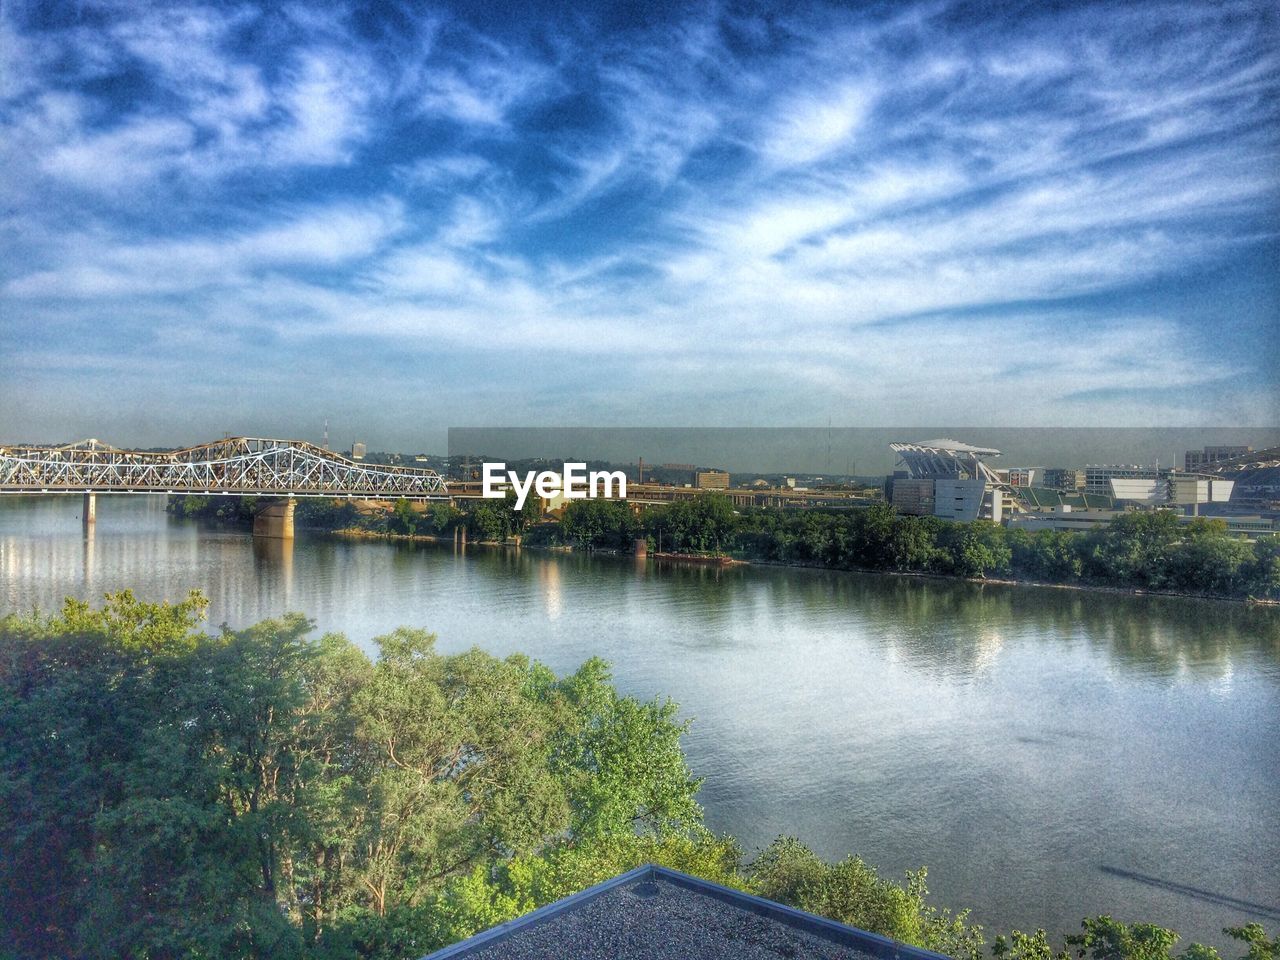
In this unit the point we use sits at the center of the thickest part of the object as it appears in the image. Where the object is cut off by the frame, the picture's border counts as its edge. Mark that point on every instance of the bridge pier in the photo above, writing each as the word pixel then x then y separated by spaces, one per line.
pixel 89 515
pixel 275 520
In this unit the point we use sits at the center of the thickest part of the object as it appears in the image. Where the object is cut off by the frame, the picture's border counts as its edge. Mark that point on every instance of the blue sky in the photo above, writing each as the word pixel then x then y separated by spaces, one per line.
pixel 248 218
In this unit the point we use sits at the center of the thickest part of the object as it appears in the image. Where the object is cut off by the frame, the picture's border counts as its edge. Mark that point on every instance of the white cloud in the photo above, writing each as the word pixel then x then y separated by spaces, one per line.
pixel 96 266
pixel 804 128
pixel 801 213
pixel 124 157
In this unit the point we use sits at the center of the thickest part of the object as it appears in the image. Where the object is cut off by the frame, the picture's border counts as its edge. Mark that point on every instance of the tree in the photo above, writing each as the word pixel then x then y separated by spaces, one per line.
pixel 443 517
pixel 976 549
pixel 1133 548
pixel 166 792
pixel 852 892
pixel 1052 555
pixel 1262 576
pixel 600 524
pixel 403 519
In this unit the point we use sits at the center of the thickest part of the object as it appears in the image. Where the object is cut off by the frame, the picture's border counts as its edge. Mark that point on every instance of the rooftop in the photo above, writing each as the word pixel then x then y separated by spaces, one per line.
pixel 655 913
pixel 950 446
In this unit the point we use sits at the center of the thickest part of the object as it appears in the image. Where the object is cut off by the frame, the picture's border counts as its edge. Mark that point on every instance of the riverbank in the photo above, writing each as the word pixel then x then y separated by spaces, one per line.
pixel 722 561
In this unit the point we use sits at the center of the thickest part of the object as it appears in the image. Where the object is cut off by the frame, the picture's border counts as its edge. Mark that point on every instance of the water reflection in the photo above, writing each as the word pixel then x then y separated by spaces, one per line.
pixel 87 564
pixel 273 561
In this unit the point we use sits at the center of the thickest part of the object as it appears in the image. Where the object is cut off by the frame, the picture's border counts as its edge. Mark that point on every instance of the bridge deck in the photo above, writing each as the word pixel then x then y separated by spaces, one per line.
pixel 245 466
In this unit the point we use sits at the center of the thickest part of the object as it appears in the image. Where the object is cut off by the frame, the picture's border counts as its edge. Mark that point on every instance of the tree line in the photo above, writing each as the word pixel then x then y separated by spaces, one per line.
pixel 168 791
pixel 1150 550
pixel 1139 549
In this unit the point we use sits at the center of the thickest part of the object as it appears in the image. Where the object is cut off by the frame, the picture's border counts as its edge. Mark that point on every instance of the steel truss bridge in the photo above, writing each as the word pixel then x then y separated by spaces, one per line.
pixel 246 466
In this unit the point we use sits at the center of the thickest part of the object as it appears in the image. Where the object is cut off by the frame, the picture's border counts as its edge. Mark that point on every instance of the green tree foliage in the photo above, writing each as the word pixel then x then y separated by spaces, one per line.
pixel 1152 549
pixel 599 524
pixel 702 524
pixel 404 518
pixel 320 513
pixel 442 518
pixel 852 892
pixel 1255 937
pixel 165 792
pixel 1103 938
pixel 976 549
pixel 234 511
pixel 493 520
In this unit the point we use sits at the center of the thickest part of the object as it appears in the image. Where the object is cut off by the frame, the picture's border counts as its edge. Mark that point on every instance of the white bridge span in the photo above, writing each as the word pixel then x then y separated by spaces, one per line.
pixel 249 466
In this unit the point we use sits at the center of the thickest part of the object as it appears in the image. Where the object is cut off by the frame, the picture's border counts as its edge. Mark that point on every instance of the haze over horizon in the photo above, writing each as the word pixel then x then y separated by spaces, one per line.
pixel 252 217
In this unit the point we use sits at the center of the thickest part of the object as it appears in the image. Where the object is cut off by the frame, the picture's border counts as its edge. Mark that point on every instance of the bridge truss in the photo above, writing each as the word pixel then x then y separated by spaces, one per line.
pixel 247 466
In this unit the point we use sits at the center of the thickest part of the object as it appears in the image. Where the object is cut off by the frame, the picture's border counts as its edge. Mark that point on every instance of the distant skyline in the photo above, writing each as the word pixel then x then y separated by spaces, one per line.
pixel 857 450
pixel 249 218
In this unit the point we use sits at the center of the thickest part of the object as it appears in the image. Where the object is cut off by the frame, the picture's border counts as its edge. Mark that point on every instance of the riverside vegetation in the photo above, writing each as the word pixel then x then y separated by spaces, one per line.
pixel 1147 550
pixel 168 791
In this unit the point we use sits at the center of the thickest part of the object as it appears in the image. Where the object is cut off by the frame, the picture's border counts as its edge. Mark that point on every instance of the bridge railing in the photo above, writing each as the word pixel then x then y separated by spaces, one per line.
pixel 237 465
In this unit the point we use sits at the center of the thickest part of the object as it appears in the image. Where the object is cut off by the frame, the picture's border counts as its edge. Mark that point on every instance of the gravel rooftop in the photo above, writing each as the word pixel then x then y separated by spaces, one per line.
pixel 655 919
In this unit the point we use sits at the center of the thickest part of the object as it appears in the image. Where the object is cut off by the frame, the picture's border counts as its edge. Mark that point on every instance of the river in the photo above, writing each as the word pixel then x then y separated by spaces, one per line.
pixel 1049 754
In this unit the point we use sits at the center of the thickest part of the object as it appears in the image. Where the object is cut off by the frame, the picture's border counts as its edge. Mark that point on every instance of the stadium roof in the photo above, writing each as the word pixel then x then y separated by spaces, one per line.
pixel 659 914
pixel 950 446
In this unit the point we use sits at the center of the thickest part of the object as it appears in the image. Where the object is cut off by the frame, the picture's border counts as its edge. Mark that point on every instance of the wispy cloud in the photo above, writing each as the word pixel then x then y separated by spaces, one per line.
pixel 784 215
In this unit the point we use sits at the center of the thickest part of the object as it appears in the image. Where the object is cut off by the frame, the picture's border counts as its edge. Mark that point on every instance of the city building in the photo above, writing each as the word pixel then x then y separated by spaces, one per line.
pixel 1191 490
pixel 1193 460
pixel 711 480
pixel 654 912
pixel 1152 491
pixel 964 486
pixel 1097 479
pixel 968 500
pixel 1062 478
pixel 357 451
pixel 912 496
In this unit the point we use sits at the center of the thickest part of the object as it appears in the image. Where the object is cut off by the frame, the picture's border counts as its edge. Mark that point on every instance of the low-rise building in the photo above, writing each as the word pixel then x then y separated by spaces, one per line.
pixel 711 480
